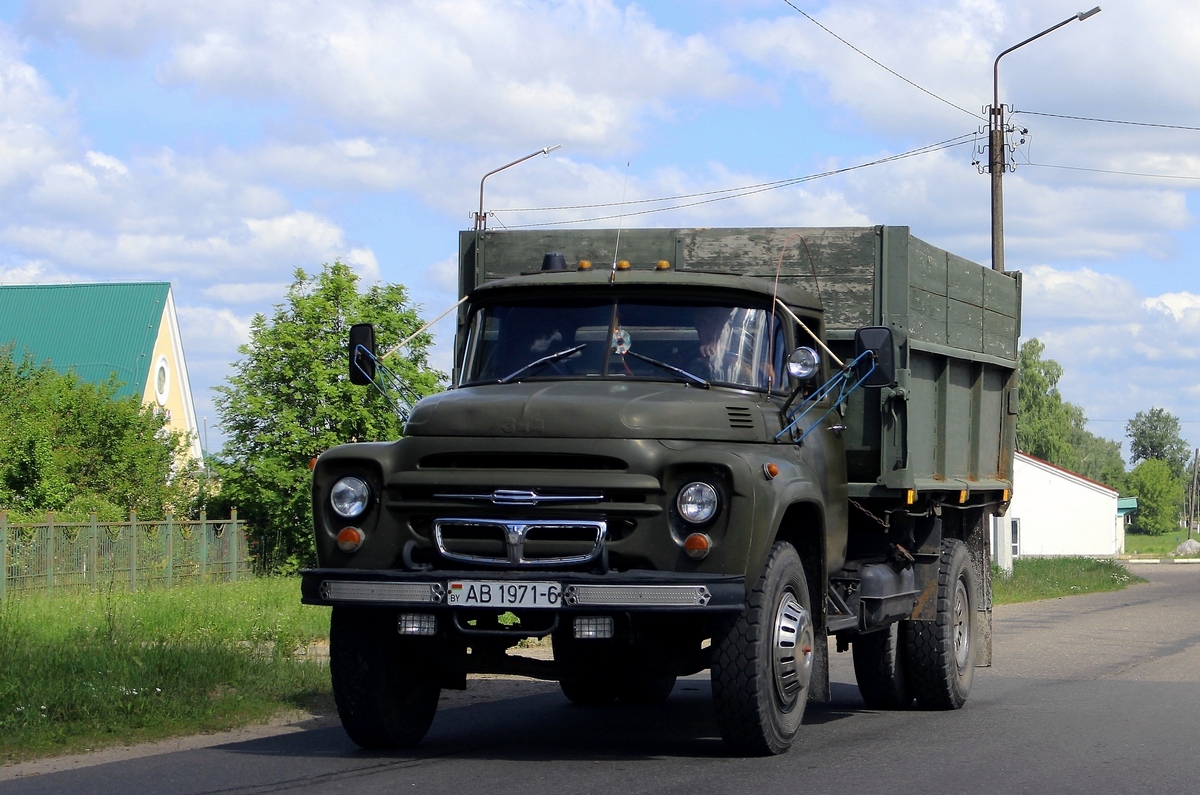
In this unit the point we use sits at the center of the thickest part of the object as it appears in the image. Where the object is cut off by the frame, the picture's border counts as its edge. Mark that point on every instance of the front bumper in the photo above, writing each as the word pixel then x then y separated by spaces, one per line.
pixel 649 591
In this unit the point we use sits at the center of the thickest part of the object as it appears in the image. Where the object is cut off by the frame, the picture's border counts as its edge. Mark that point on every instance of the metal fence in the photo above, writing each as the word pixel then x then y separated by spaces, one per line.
pixel 131 554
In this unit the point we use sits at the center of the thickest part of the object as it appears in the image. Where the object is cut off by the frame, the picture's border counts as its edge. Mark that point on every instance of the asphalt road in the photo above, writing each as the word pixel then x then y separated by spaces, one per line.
pixel 1090 694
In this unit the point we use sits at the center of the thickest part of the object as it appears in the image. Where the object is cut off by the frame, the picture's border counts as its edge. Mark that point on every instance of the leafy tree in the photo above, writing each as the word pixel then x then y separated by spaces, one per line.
pixel 72 447
pixel 1156 434
pixel 1054 430
pixel 1045 421
pixel 1160 497
pixel 290 398
pixel 1099 459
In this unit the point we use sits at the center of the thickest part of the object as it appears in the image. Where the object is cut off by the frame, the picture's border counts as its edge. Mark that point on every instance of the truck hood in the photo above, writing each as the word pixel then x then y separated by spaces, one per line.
pixel 595 410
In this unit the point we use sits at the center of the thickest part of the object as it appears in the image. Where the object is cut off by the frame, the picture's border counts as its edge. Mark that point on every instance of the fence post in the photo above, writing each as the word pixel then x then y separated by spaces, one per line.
pixel 3 553
pixel 93 552
pixel 203 546
pixel 49 550
pixel 132 549
pixel 233 545
pixel 170 549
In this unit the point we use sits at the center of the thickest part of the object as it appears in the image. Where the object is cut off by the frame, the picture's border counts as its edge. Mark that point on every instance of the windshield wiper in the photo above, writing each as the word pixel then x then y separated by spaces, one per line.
pixel 695 379
pixel 544 360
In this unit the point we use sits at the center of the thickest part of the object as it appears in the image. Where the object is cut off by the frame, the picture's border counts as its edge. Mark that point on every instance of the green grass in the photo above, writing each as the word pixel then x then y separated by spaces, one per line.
pixel 87 670
pixel 1160 546
pixel 1049 578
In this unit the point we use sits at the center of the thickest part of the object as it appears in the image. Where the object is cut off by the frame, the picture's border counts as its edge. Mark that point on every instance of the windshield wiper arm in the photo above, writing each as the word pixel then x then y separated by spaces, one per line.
pixel 544 360
pixel 695 379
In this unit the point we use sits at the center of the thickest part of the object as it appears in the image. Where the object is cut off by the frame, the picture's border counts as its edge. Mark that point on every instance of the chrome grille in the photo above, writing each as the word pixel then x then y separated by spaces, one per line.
pixel 529 542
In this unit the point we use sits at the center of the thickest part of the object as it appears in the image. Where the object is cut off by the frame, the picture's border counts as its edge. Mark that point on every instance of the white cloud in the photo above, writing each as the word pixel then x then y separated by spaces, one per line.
pixel 1121 351
pixel 260 293
pixel 584 71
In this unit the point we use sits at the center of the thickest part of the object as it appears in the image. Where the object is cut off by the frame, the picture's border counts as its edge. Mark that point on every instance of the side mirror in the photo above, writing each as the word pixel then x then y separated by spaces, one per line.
pixel 362 353
pixel 877 339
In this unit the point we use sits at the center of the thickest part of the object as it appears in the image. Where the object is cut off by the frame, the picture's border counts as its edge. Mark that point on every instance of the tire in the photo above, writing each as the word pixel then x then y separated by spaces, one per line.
pixel 584 670
pixel 588 692
pixel 383 699
pixel 880 669
pixel 646 689
pixel 763 662
pixel 941 653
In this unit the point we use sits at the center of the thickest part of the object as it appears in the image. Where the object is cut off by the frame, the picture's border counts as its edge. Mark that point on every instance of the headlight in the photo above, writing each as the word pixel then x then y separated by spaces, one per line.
pixel 803 363
pixel 349 497
pixel 697 502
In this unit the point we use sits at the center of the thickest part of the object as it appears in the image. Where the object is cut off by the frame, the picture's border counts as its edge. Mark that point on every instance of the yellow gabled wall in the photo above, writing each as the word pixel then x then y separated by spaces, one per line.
pixel 176 393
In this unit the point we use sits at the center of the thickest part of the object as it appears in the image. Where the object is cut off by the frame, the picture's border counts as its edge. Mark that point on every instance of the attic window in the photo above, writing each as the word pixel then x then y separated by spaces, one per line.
pixel 162 381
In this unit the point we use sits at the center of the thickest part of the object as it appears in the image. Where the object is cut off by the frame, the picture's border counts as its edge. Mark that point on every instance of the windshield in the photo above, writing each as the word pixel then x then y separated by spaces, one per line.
pixel 662 341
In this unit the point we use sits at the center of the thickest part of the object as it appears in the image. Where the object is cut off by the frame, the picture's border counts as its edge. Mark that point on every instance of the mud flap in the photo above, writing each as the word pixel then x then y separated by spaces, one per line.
pixel 818 686
pixel 977 532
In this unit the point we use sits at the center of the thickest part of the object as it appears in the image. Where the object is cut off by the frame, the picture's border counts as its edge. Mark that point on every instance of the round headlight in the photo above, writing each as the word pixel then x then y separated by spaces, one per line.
pixel 697 502
pixel 803 363
pixel 349 497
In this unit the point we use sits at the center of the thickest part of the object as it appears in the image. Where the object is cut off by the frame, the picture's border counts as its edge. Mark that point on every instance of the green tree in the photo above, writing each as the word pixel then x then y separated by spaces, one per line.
pixel 1099 459
pixel 1160 497
pixel 72 447
pixel 1045 422
pixel 1156 434
pixel 290 398
pixel 1055 430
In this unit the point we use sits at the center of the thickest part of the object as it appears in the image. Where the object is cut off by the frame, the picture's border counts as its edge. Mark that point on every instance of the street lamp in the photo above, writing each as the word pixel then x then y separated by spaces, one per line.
pixel 481 217
pixel 996 159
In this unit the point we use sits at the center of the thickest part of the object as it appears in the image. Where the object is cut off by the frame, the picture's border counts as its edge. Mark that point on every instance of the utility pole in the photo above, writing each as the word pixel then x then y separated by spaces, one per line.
pixel 996 158
pixel 1191 518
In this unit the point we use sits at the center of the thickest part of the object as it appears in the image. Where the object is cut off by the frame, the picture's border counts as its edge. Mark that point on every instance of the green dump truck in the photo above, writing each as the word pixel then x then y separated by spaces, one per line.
pixel 671 450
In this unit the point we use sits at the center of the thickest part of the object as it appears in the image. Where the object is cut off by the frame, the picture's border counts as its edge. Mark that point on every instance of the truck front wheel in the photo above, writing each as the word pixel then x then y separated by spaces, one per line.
pixel 763 661
pixel 941 653
pixel 383 695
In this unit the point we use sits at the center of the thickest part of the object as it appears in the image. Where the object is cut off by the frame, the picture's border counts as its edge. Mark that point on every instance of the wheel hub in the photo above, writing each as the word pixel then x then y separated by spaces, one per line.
pixel 793 650
pixel 961 625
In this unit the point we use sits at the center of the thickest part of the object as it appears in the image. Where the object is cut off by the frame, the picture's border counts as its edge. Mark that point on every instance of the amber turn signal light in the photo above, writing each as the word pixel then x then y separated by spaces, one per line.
pixel 349 539
pixel 697 546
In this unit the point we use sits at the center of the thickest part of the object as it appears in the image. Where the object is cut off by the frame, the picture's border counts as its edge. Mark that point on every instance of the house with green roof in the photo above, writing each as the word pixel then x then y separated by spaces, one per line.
pixel 126 328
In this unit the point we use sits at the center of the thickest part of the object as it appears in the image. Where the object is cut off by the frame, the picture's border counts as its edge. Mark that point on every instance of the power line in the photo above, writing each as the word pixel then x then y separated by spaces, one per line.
pixel 1112 171
pixel 887 69
pixel 735 193
pixel 1106 121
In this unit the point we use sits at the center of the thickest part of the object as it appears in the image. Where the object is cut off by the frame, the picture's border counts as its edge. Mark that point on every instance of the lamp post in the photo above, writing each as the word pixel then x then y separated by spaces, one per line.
pixel 481 217
pixel 996 159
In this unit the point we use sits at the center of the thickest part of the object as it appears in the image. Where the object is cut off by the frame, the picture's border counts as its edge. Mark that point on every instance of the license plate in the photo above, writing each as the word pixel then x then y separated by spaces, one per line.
pixel 494 593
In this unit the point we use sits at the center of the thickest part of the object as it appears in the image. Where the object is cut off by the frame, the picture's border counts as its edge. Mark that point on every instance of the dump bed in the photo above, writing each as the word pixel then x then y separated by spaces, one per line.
pixel 950 422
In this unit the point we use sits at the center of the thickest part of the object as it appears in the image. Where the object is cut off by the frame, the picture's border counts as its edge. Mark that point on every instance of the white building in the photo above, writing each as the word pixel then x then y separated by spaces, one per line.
pixel 1055 512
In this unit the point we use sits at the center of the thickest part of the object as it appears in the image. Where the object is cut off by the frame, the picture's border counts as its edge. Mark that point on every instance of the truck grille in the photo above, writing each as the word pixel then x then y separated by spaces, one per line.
pixel 519 543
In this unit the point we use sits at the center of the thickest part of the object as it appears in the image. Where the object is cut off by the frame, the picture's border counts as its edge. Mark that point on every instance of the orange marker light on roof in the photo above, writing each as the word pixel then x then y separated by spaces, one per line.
pixel 623 265
pixel 663 265
pixel 585 264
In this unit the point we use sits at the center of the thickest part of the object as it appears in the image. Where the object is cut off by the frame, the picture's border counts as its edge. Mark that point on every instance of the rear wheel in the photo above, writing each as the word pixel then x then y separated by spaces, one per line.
pixel 763 663
pixel 588 692
pixel 941 653
pixel 880 670
pixel 385 697
pixel 584 669
pixel 646 688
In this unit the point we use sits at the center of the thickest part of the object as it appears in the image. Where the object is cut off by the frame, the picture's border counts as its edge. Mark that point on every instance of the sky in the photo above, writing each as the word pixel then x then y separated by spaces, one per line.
pixel 222 144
